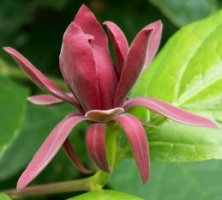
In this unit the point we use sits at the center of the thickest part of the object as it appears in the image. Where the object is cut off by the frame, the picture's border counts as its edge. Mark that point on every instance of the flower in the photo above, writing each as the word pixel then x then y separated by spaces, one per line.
pixel 99 91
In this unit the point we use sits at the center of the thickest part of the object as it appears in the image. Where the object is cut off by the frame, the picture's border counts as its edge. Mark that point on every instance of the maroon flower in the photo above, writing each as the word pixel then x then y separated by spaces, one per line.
pixel 98 90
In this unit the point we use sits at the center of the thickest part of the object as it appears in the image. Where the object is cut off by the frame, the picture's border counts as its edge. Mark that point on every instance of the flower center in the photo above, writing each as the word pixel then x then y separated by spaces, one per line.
pixel 103 116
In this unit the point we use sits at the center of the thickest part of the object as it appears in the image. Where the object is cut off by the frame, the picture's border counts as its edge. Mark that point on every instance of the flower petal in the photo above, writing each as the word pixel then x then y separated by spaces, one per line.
pixel 49 148
pixel 38 78
pixel 106 74
pixel 87 21
pixel 95 142
pixel 138 141
pixel 47 100
pixel 103 115
pixel 141 53
pixel 120 44
pixel 170 112
pixel 73 157
pixel 77 65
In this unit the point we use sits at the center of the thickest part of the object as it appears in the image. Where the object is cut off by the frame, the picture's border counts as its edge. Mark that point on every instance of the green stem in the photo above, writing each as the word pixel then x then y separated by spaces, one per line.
pixel 94 182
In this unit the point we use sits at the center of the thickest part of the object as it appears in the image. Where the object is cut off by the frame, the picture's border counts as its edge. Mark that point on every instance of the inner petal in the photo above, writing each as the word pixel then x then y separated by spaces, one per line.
pixel 103 115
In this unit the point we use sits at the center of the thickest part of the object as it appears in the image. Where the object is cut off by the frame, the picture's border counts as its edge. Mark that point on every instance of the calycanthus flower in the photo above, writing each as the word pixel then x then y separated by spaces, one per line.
pixel 99 90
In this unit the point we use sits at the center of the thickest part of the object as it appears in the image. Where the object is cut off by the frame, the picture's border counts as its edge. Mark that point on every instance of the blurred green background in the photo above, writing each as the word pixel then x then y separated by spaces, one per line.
pixel 35 28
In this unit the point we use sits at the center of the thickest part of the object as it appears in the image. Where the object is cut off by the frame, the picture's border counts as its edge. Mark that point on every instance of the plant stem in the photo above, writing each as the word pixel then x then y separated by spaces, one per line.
pixel 94 182
pixel 46 189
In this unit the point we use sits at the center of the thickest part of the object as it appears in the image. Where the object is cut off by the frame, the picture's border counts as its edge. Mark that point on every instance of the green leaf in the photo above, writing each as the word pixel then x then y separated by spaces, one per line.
pixel 173 142
pixel 38 124
pixel 199 181
pixel 188 74
pixel 105 195
pixel 4 197
pixel 12 109
pixel 183 12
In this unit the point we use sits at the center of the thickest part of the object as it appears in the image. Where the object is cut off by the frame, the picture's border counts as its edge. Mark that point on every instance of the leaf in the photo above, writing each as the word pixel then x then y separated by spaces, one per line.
pixel 105 195
pixel 197 181
pixel 38 124
pixel 188 74
pixel 173 142
pixel 4 197
pixel 183 12
pixel 12 109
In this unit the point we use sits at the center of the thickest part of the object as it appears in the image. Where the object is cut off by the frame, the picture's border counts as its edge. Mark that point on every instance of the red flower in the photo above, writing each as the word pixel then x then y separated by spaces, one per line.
pixel 99 91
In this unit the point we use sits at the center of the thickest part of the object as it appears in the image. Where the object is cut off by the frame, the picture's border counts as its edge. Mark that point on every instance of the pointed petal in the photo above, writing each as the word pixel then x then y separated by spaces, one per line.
pixel 171 112
pixel 73 157
pixel 45 100
pixel 103 115
pixel 37 77
pixel 138 141
pixel 106 74
pixel 77 65
pixel 87 21
pixel 49 148
pixel 95 142
pixel 141 53
pixel 120 44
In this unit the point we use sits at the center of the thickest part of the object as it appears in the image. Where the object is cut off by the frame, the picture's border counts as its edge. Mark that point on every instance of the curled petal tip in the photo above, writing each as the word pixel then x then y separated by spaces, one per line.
pixel 90 37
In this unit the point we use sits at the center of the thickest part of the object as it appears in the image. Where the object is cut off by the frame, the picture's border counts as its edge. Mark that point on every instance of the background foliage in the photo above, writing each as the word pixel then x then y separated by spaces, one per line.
pixel 35 28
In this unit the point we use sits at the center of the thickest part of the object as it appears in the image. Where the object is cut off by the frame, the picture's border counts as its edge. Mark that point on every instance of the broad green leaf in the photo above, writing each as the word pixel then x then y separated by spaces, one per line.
pixel 4 197
pixel 173 142
pixel 182 12
pixel 38 124
pixel 12 109
pixel 105 195
pixel 197 181
pixel 188 74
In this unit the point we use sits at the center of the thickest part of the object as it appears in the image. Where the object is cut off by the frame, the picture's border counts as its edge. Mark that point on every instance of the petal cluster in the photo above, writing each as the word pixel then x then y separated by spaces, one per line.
pixel 99 91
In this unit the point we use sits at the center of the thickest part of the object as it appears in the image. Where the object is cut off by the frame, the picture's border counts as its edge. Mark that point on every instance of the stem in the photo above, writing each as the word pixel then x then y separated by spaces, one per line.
pixel 46 189
pixel 94 182
pixel 111 143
